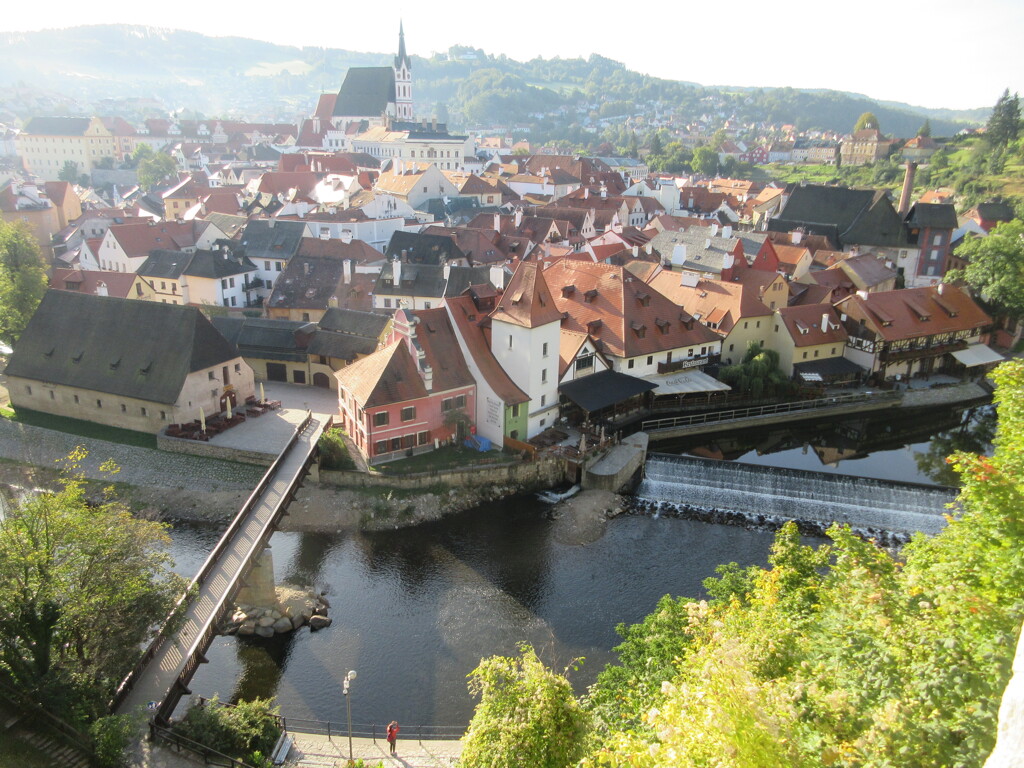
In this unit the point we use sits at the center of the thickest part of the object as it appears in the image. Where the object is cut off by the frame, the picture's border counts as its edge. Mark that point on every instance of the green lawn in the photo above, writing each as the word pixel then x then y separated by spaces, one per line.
pixel 446 457
pixel 81 428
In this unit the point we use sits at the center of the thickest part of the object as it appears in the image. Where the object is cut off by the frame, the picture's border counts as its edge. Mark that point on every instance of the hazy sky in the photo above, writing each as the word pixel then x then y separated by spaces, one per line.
pixel 942 53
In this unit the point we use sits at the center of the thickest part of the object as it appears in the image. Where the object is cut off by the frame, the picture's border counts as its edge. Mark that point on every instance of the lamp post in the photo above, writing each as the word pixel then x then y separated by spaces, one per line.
pixel 348 708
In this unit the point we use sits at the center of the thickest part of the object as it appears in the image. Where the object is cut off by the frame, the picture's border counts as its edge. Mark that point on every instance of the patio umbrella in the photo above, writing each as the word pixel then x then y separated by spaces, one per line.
pixel 583 444
pixel 202 419
pixel 229 408
pixel 263 395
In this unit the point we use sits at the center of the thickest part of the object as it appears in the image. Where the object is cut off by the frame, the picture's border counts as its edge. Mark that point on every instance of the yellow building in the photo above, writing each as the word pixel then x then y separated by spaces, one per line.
pixel 806 336
pixel 47 143
pixel 46 210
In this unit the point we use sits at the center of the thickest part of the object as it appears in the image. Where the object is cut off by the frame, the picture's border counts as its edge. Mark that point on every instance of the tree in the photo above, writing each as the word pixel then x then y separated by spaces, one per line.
pixel 705 161
pixel 656 146
pixel 526 715
pixel 69 172
pixel 22 279
pixel 925 131
pixel 155 169
pixel 995 267
pixel 1004 123
pixel 866 120
pixel 82 585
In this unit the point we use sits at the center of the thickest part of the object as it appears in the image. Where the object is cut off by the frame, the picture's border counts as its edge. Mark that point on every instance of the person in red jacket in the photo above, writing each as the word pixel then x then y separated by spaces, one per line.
pixel 393 735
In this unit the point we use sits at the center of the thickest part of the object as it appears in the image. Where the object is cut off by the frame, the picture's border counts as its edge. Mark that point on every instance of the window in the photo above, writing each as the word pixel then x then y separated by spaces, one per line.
pixel 544 349
pixel 380 419
pixel 277 266
pixel 28 389
pixel 937 240
pixel 231 282
pixel 543 400
pixel 815 353
pixel 629 364
pixel 226 302
pixel 650 359
pixel 409 413
pixel 76 399
pixel 163 285
pixel 53 396
pixel 305 317
pixel 124 408
pixel 510 341
pixel 746 324
pixel 396 443
pixel 833 350
pixel 515 411
pixel 144 411
pixel 731 346
pixel 299 377
pixel 238 367
pixel 422 438
pixel 805 355
pixel 543 375
pixel 163 415
pixel 585 362
pixel 99 403
pixel 266 266
pixel 446 404
pixel 460 401
pixel 380 447
pixel 211 375
pixel 387 303
pixel 223 284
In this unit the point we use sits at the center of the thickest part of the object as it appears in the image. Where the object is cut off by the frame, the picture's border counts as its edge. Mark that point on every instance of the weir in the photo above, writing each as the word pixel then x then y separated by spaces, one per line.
pixel 794 494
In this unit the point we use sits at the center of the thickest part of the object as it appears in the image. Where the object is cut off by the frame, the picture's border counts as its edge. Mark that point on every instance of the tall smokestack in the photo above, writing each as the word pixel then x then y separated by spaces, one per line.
pixel 908 187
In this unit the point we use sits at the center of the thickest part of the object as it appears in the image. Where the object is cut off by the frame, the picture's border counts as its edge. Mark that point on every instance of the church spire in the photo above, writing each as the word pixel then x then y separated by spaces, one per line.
pixel 402 55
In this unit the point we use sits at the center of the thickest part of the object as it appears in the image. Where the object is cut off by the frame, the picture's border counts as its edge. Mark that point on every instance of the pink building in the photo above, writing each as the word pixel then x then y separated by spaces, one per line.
pixel 412 394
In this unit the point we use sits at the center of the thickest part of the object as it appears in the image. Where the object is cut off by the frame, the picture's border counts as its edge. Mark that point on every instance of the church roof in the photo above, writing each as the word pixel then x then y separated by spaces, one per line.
pixel 366 92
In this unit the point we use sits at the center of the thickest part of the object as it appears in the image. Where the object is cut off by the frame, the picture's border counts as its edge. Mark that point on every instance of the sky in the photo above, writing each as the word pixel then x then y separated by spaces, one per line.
pixel 934 54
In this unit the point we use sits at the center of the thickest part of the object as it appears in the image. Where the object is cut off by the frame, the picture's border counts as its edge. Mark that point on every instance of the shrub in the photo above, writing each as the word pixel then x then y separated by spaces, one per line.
pixel 240 731
pixel 333 452
pixel 111 736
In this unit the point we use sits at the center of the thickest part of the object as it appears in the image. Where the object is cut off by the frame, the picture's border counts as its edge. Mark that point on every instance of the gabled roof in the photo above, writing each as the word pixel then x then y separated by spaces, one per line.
pixel 140 239
pixel 704 253
pixel 428 280
pixel 467 320
pixel 139 349
pixel 270 239
pixel 913 312
pixel 866 270
pixel 434 336
pixel 808 325
pixel 627 316
pixel 267 339
pixel 711 301
pixel 211 265
pixel 527 300
pixel 387 376
pixel 90 281
pixel 57 126
pixel 933 215
pixel 422 248
pixel 847 216
pixel 365 92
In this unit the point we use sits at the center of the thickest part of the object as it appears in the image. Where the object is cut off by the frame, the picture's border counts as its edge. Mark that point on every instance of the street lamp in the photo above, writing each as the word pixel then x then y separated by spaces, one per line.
pixel 348 708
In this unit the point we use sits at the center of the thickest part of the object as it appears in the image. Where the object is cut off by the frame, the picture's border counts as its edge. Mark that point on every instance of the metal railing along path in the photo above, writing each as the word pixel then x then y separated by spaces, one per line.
pixel 162 675
pixel 297 725
pixel 675 422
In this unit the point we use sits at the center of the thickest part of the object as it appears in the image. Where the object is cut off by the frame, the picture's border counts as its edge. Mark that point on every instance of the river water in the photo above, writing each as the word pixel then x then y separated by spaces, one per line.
pixel 414 610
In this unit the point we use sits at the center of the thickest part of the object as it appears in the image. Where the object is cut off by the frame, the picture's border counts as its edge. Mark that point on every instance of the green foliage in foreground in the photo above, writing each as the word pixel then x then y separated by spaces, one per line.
pixel 81 587
pixel 995 267
pixel 841 655
pixel 334 452
pixel 526 716
pixel 247 731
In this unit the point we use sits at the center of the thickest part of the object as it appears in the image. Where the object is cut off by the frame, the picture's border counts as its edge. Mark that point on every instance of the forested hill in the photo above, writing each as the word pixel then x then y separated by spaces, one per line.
pixel 81 67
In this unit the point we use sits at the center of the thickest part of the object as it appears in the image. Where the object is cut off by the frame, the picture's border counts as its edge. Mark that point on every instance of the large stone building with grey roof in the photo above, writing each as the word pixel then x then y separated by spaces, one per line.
pixel 136 365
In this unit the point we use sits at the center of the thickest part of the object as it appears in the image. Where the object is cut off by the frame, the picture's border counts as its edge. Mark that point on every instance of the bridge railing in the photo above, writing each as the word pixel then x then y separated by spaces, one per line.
pixel 209 756
pixel 212 559
pixel 654 425
pixel 375 730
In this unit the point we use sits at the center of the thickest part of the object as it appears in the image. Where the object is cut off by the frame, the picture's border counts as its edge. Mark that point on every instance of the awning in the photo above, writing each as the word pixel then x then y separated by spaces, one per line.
pixel 686 382
pixel 827 369
pixel 977 354
pixel 600 390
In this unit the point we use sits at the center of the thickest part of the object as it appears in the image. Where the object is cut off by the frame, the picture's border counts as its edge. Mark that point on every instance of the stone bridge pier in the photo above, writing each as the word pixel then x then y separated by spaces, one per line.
pixel 260 589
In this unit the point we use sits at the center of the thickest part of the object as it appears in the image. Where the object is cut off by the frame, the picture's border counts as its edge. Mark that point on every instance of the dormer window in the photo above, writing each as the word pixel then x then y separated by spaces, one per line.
pixel 590 295
pixel 644 299
pixel 594 325
pixel 663 325
pixel 568 290
pixel 639 329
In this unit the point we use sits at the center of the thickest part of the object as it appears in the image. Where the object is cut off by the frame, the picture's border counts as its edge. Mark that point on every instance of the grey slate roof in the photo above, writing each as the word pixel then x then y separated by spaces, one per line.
pixel 428 280
pixel 933 215
pixel 57 126
pixel 267 339
pixel 847 216
pixel 209 264
pixel 423 249
pixel 366 92
pixel 280 241
pixel 138 349
pixel 701 256
pixel 369 325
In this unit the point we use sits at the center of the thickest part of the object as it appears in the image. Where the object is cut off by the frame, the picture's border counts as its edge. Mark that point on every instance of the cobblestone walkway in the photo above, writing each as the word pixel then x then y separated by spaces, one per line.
pixel 145 467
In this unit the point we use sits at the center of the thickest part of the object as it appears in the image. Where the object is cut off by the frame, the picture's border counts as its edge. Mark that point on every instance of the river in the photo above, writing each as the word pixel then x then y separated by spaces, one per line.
pixel 414 610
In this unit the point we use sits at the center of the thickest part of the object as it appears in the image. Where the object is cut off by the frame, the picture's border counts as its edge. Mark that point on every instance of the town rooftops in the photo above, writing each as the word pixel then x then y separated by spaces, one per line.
pixel 365 92
pixel 932 215
pixel 57 126
pixel 211 265
pixel 846 216
pixel 527 300
pixel 812 324
pixel 270 239
pixel 913 312
pixel 267 339
pixel 138 349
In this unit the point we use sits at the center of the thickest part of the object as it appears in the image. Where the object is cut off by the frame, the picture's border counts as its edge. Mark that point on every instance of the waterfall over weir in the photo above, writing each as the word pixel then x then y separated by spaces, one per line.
pixel 758 492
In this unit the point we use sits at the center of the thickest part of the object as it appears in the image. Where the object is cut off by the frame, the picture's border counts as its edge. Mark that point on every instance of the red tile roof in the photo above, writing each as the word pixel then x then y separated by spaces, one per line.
pixel 467 320
pixel 387 376
pixel 527 300
pixel 140 239
pixel 914 312
pixel 813 324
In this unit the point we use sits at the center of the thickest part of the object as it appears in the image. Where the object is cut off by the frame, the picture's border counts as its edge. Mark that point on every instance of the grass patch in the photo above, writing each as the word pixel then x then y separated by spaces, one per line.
pixel 446 457
pixel 81 428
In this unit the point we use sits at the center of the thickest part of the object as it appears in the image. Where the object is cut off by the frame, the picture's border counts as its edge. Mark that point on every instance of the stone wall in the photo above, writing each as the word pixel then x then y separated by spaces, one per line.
pixel 199 448
pixel 542 473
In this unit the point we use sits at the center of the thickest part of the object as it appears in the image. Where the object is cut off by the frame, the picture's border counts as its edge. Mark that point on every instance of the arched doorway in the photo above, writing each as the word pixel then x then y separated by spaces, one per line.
pixel 321 380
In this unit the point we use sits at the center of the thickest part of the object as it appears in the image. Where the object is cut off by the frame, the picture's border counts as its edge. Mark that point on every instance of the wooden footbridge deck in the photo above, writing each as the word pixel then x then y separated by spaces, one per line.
pixel 163 673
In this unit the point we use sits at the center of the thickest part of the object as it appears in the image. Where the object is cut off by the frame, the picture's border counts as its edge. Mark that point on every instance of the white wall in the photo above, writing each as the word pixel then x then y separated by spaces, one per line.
pixel 533 371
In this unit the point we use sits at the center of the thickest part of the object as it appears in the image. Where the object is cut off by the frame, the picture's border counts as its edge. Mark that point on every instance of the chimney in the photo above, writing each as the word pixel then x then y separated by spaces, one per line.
pixel 496 276
pixel 727 230
pixel 396 272
pixel 333 302
pixel 497 222
pixel 863 295
pixel 346 236
pixel 908 188
pixel 707 242
pixel 636 251
pixel 305 267
pixel 714 229
pixel 447 270
pixel 270 223
pixel 519 217
pixel 428 378
pixel 586 193
pixel 679 254
pixel 941 288
pixel 796 236
pixel 824 321
pixel 604 191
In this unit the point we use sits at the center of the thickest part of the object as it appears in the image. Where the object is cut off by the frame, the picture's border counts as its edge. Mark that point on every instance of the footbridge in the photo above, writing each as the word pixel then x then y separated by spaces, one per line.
pixel 162 675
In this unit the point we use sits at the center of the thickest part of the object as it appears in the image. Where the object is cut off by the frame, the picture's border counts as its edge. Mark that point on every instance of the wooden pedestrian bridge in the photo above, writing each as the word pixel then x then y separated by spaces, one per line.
pixel 162 675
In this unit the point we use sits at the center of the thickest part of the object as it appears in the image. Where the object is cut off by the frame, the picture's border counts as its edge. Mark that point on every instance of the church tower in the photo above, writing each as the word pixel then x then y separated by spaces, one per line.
pixel 403 79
